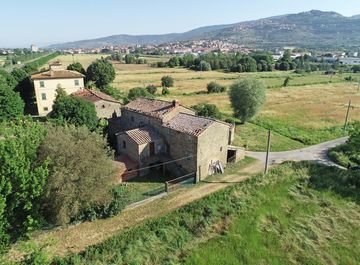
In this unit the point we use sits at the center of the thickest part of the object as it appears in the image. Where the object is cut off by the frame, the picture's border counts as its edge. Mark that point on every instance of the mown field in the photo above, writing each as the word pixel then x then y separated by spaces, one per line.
pixel 299 213
pixel 309 111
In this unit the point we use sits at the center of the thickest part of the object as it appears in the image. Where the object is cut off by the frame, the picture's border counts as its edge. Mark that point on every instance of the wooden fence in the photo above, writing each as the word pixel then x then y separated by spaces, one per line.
pixel 174 184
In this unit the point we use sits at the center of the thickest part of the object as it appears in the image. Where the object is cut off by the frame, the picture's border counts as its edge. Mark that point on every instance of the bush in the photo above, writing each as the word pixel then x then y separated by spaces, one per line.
pixel 207 110
pixel 204 66
pixel 151 89
pixel 167 81
pixel 165 91
pixel 76 67
pixel 138 92
pixel 247 96
pixel 214 87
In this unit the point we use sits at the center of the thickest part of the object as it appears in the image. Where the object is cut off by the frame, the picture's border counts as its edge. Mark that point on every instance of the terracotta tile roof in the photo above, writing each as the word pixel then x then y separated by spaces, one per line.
pixel 190 124
pixel 57 74
pixel 152 107
pixel 93 95
pixel 143 135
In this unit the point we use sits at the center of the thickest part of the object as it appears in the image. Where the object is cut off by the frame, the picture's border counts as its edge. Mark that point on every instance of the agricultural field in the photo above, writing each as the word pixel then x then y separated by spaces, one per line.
pixel 2 60
pixel 310 110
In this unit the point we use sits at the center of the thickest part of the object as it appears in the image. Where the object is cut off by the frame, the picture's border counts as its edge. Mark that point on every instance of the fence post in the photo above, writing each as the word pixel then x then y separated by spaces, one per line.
pixel 166 186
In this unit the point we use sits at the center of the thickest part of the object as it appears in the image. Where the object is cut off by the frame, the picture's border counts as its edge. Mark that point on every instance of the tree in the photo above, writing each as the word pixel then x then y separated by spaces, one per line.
pixel 22 178
pixel 151 89
pixel 138 92
pixel 130 59
pixel 207 110
pixel 76 67
pixel 19 74
pixel 11 104
pixel 167 81
pixel 101 72
pixel 204 66
pixel 74 110
pixel 174 62
pixel 355 68
pixel 286 81
pixel 248 64
pixel 7 79
pixel 247 96
pixel 165 91
pixel 81 172
pixel 214 87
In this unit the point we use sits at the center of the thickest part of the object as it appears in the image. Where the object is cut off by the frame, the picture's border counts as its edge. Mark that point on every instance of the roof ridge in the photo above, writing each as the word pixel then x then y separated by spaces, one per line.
pixel 208 118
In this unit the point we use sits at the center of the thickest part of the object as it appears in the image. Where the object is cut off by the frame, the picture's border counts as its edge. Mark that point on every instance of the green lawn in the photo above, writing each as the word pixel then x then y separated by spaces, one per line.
pixel 254 138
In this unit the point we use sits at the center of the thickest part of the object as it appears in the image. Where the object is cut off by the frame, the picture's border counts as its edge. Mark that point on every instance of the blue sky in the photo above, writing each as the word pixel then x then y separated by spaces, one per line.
pixel 42 22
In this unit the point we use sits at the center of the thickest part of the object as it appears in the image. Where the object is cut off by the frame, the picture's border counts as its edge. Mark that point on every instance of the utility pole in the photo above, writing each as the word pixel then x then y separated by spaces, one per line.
pixel 347 115
pixel 267 152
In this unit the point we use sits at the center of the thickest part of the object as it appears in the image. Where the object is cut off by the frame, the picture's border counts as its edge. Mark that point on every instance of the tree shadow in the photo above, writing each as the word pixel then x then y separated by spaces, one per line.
pixel 345 183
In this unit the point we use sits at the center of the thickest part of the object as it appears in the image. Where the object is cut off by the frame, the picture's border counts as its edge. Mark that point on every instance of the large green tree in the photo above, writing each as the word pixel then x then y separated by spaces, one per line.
pixel 101 72
pixel 11 104
pixel 81 172
pixel 167 81
pixel 22 177
pixel 247 96
pixel 74 110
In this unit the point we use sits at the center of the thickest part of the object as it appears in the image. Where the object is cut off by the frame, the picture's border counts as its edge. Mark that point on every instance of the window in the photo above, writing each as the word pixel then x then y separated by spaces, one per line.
pixel 220 148
pixel 103 106
pixel 77 83
pixel 43 96
pixel 42 84
pixel 124 144
pixel 46 109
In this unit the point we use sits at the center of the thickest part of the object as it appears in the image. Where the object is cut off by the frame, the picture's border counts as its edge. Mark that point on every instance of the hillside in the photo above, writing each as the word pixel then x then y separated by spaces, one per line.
pixel 312 29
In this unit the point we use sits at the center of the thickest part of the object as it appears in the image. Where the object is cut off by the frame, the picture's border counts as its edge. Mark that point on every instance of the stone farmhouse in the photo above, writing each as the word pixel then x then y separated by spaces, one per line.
pixel 46 83
pixel 105 105
pixel 153 131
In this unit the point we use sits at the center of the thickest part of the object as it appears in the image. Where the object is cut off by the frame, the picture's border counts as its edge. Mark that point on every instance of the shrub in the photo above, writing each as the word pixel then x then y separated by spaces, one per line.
pixel 151 89
pixel 207 110
pixel 167 81
pixel 214 87
pixel 76 67
pixel 137 92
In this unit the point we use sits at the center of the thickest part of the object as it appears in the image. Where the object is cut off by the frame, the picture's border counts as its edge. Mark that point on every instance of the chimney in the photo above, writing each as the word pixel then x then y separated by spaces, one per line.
pixel 175 103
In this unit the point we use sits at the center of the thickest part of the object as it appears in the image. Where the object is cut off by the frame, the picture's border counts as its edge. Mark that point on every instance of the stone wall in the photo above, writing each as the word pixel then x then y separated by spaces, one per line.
pixel 212 146
pixel 106 109
pixel 131 149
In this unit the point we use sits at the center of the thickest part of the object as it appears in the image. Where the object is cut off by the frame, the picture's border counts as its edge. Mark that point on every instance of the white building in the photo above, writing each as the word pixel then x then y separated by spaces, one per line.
pixel 46 83
pixel 34 48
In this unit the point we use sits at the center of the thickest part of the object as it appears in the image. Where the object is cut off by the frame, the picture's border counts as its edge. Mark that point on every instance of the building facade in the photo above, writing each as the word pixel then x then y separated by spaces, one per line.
pixel 46 83
pixel 159 131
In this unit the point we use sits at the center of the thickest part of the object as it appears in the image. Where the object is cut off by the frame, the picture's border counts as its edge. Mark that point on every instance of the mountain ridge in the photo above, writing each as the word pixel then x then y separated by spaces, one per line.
pixel 310 29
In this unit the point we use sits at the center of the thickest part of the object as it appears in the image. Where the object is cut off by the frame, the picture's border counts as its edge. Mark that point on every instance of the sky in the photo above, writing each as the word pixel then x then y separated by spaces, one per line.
pixel 45 22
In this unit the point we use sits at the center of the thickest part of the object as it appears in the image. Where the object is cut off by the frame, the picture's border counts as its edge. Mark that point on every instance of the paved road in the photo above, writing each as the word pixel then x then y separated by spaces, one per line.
pixel 312 153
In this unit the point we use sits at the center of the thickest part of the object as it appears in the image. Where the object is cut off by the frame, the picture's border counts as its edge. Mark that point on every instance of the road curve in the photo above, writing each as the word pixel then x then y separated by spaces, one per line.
pixel 316 153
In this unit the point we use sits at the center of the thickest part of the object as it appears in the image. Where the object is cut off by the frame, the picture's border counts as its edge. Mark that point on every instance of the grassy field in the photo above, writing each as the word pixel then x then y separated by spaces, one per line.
pixel 311 110
pixel 297 220
pixel 299 213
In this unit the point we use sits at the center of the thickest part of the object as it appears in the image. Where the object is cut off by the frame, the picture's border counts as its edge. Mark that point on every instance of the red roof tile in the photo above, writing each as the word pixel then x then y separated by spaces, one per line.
pixel 190 124
pixel 57 74
pixel 152 107
pixel 143 135
pixel 93 95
